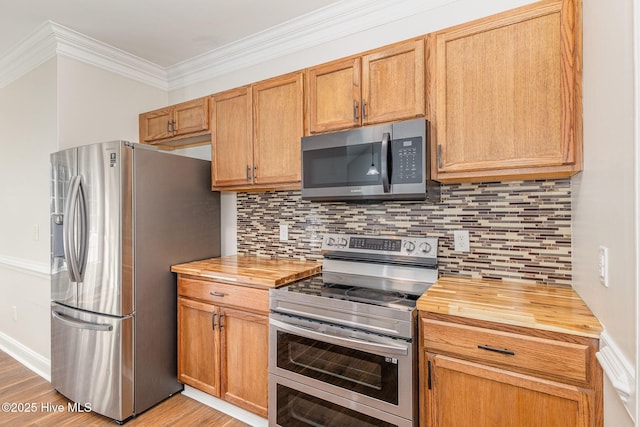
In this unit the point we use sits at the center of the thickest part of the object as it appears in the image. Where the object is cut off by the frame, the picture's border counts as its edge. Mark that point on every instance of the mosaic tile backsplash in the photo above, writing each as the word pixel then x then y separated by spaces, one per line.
pixel 518 230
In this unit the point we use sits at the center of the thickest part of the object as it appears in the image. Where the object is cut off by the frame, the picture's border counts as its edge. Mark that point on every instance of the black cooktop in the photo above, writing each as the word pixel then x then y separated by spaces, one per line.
pixel 377 292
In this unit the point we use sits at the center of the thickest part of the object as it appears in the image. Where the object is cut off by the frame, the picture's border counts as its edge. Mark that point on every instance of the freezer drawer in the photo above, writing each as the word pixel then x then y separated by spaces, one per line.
pixel 92 360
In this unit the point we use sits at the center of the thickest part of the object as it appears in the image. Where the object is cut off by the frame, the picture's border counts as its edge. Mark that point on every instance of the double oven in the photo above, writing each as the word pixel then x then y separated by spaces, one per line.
pixel 342 344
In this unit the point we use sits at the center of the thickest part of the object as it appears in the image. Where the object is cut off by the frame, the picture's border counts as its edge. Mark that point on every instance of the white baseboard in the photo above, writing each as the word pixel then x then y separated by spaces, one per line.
pixel 23 354
pixel 619 371
pixel 225 407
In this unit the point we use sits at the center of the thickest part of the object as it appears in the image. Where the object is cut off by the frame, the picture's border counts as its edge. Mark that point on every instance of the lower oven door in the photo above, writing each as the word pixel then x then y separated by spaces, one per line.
pixel 361 367
pixel 299 405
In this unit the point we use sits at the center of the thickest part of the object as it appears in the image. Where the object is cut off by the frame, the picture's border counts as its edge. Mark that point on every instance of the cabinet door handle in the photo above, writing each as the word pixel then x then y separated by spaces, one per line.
pixel 254 173
pixel 355 111
pixel 497 350
pixel 364 109
pixel 216 294
pixel 213 321
pixel 440 156
pixel 248 176
pixel 429 367
pixel 220 323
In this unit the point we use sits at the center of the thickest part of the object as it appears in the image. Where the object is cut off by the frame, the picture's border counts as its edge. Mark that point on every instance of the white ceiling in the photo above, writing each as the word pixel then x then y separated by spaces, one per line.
pixel 164 32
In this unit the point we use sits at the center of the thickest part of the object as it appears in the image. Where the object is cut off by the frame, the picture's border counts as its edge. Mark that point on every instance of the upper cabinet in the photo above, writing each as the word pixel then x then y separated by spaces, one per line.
pixel 256 132
pixel 505 95
pixel 171 126
pixel 383 85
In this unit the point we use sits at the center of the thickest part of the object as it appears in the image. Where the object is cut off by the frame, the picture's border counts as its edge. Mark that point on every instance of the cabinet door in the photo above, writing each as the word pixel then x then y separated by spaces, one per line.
pixel 155 125
pixel 245 345
pixel 393 83
pixel 191 116
pixel 460 393
pixel 278 121
pixel 333 94
pixel 507 95
pixel 198 346
pixel 231 138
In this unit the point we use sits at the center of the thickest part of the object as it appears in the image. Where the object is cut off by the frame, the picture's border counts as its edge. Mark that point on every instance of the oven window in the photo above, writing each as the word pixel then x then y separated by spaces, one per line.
pixel 342 166
pixel 361 372
pixel 297 409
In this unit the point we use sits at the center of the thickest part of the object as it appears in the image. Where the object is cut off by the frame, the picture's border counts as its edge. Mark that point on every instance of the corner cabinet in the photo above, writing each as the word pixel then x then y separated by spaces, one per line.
pixel 505 95
pixel 484 374
pixel 223 332
pixel 178 125
pixel 383 85
pixel 256 132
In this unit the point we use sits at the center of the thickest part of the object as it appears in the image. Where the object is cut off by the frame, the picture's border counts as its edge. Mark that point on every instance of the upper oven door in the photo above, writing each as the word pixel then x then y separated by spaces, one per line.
pixel 369 369
pixel 346 165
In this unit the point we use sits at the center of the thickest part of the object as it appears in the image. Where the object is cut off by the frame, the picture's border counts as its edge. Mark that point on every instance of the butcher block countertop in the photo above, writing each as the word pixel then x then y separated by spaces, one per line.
pixel 250 270
pixel 550 308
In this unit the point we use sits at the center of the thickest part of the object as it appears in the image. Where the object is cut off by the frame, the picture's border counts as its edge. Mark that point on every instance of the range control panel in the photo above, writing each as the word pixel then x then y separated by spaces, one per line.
pixel 424 247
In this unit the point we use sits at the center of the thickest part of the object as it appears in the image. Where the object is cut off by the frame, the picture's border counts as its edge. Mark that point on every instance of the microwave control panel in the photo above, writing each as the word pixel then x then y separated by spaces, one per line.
pixel 408 159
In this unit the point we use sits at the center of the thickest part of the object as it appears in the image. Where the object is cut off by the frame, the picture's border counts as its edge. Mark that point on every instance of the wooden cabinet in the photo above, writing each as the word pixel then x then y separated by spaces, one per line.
pixel 383 85
pixel 182 124
pixel 256 133
pixel 505 95
pixel 232 138
pixel 481 373
pixel 223 341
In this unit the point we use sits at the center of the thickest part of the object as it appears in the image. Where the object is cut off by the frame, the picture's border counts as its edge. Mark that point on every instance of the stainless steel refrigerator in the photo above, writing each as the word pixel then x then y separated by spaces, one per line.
pixel 121 215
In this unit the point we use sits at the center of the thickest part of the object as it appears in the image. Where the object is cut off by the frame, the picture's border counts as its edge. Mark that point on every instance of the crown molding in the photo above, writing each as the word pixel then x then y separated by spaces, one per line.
pixel 321 26
pixel 52 39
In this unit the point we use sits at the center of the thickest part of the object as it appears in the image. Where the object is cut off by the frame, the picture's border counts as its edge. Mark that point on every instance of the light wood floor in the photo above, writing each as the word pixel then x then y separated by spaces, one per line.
pixel 19 384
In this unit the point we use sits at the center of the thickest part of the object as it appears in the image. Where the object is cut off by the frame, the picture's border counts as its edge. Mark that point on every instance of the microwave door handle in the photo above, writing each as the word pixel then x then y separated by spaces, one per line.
pixel 332 339
pixel 384 161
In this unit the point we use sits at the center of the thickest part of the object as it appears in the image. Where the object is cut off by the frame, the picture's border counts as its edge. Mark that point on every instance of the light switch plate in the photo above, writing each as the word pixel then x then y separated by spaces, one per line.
pixel 284 232
pixel 603 266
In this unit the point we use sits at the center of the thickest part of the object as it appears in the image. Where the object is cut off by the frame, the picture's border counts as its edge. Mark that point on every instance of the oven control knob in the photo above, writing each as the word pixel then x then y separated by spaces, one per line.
pixel 425 247
pixel 409 246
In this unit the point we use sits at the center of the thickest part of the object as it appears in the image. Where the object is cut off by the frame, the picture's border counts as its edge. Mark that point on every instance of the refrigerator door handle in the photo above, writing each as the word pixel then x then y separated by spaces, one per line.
pixel 69 229
pixel 82 230
pixel 75 323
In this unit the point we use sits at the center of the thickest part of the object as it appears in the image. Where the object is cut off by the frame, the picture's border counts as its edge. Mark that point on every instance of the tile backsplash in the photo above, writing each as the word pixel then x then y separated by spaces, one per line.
pixel 518 230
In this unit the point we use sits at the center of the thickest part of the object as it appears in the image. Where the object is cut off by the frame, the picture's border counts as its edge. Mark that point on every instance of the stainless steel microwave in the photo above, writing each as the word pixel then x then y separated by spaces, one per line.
pixel 381 162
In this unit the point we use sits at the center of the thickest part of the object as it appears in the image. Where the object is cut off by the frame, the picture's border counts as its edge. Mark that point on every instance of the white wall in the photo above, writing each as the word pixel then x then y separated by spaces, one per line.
pixel 28 129
pixel 605 195
pixel 95 105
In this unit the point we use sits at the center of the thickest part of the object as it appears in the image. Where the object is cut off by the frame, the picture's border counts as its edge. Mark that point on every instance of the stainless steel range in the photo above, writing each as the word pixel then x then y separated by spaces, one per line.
pixel 342 344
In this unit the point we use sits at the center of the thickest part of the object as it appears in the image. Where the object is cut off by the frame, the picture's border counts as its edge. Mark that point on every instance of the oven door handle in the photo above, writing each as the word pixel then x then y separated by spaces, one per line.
pixel 332 339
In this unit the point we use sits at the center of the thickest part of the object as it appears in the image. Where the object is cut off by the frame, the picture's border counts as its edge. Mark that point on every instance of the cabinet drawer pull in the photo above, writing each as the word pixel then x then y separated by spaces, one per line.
pixel 216 294
pixel 497 350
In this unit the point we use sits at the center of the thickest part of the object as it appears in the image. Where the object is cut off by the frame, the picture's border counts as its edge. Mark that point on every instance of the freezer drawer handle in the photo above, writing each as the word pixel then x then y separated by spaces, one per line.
pixel 80 324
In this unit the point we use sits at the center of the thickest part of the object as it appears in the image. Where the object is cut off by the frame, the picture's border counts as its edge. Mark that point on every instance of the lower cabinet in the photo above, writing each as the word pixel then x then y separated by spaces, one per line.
pixel 223 349
pixel 484 375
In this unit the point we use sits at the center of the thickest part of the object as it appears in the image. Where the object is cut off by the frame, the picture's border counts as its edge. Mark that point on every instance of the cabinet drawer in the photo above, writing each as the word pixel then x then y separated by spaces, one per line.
pixel 224 294
pixel 556 360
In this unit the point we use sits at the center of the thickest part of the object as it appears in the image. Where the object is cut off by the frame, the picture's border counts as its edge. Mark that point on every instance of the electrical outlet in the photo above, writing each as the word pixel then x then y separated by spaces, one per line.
pixel 14 313
pixel 603 266
pixel 461 240
pixel 284 232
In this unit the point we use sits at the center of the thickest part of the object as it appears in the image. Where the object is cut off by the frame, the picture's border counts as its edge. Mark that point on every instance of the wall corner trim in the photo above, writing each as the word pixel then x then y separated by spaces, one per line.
pixel 620 372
